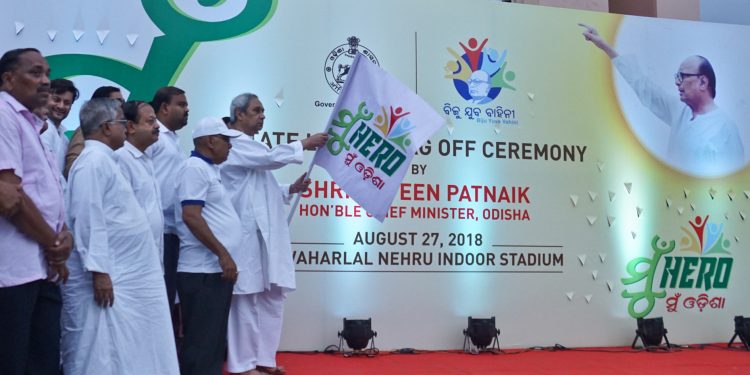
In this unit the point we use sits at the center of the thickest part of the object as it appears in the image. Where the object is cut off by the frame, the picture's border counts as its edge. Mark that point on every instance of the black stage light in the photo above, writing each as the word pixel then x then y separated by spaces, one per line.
pixel 482 333
pixel 357 333
pixel 651 332
pixel 741 330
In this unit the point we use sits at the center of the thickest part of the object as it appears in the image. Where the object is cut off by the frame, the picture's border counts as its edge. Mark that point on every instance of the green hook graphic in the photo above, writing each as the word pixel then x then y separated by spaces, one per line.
pixel 169 53
pixel 660 249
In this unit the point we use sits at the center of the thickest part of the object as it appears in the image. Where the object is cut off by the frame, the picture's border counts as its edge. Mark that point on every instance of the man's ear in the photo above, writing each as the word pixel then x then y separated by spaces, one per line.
pixel 162 107
pixel 238 114
pixel 211 142
pixel 105 128
pixel 129 127
pixel 6 81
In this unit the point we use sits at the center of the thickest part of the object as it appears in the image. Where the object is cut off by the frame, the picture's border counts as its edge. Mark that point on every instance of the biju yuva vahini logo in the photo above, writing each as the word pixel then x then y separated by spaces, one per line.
pixel 480 73
pixel 374 143
pixel 339 61
pixel 702 274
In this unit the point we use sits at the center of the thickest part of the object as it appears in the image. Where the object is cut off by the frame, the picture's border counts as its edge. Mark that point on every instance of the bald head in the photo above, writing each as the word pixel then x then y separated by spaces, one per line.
pixel 700 65
pixel 696 83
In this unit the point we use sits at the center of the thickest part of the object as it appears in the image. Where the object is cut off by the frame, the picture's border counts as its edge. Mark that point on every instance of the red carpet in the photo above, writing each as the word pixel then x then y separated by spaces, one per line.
pixel 712 359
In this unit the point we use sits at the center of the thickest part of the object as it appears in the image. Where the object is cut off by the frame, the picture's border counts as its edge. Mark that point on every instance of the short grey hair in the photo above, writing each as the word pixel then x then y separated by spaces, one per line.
pixel 240 102
pixel 95 112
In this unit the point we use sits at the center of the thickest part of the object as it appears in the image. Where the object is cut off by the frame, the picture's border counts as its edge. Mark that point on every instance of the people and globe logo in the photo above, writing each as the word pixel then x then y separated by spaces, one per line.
pixel 480 73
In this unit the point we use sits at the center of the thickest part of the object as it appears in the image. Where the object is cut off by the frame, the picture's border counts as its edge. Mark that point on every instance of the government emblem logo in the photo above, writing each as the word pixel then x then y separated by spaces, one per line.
pixel 339 61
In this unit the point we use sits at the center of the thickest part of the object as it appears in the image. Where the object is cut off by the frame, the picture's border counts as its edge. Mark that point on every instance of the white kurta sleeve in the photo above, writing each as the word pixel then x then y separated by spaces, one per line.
pixel 248 153
pixel 665 106
pixel 284 188
pixel 125 168
pixel 88 219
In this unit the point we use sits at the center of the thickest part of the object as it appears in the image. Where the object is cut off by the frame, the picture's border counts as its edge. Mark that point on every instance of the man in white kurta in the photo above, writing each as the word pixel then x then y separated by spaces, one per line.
pixel 171 108
pixel 255 318
pixel 63 94
pixel 703 140
pixel 138 169
pixel 115 316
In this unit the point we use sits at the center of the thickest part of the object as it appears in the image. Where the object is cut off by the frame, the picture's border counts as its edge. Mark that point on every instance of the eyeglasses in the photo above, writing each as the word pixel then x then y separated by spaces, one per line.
pixel 121 122
pixel 476 82
pixel 680 76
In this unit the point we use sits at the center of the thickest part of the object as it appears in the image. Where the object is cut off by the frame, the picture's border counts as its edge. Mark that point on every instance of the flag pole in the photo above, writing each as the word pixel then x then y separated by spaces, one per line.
pixel 309 171
pixel 298 196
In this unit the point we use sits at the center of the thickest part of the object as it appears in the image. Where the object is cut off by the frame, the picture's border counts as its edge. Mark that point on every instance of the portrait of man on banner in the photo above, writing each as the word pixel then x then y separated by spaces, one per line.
pixel 702 136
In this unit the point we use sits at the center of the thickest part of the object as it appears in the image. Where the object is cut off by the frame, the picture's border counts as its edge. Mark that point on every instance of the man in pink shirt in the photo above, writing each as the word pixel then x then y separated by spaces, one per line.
pixel 35 241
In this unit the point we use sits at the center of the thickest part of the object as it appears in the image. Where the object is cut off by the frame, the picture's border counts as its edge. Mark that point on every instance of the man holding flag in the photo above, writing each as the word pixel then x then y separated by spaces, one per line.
pixel 372 135
pixel 255 316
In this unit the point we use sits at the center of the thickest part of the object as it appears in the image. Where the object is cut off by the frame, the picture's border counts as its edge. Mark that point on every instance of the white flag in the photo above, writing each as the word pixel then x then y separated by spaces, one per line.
pixel 374 130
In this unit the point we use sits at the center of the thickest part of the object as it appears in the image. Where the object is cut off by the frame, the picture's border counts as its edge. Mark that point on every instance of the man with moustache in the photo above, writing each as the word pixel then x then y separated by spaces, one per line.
pixel 255 318
pixel 138 169
pixel 114 317
pixel 210 239
pixel 171 107
pixel 702 138
pixel 35 241
pixel 63 93
pixel 76 142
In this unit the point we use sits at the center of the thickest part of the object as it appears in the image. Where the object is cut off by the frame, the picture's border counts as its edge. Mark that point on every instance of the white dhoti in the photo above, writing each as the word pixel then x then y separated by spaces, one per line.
pixel 257 309
pixel 254 331
pixel 112 236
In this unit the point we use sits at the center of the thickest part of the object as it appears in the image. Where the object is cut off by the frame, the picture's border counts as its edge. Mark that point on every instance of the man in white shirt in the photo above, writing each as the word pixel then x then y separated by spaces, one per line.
pixel 137 167
pixel 75 146
pixel 210 238
pixel 258 302
pixel 171 107
pixel 63 93
pixel 703 140
pixel 115 318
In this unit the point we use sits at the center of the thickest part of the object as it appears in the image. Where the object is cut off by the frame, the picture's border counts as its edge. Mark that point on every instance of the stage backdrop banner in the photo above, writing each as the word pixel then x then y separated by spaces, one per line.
pixel 566 195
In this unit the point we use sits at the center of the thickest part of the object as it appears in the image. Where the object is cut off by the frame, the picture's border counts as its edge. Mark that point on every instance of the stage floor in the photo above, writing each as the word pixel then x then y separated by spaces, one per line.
pixel 697 359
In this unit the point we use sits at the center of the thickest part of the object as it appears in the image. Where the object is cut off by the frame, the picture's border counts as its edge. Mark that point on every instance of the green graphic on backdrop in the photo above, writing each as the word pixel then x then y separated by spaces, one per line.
pixel 169 53
pixel 711 270
pixel 636 275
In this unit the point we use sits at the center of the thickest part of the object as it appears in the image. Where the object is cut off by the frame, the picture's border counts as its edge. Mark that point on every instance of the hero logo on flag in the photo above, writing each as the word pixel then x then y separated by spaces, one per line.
pixel 374 131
